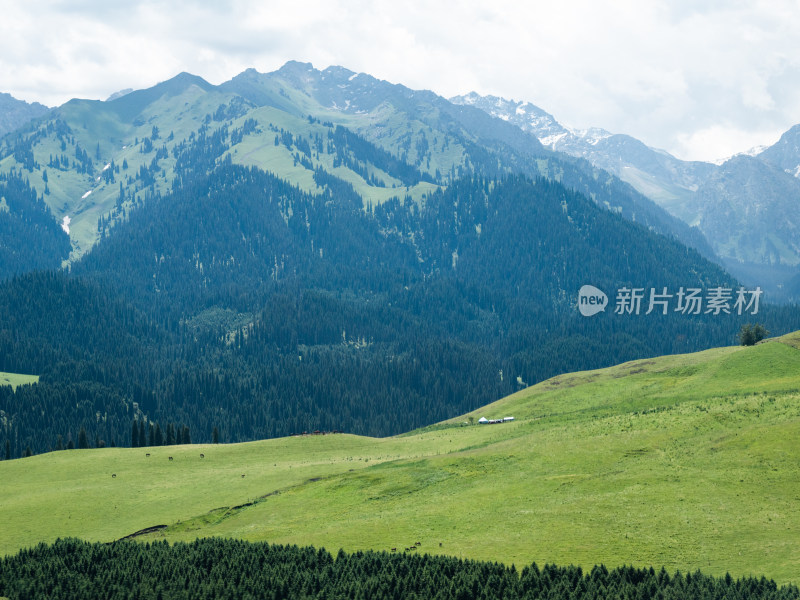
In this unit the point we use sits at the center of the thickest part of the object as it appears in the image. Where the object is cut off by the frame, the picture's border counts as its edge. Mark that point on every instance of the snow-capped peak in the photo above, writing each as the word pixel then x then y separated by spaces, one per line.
pixel 754 151
pixel 591 135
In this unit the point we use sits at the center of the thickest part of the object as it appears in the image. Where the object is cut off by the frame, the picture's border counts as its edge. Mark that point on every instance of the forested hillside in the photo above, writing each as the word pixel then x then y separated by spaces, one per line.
pixel 260 271
pixel 241 303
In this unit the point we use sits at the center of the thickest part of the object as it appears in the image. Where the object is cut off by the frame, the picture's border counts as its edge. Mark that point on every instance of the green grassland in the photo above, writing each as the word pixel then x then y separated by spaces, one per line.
pixel 17 379
pixel 684 461
pixel 260 151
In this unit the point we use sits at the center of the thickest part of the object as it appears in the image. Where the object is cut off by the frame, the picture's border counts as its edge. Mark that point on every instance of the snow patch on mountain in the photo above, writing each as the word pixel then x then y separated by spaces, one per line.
pixel 551 140
pixel 591 135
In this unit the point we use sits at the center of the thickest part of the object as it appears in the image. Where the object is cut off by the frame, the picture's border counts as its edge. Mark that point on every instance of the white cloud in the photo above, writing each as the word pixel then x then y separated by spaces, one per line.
pixel 695 78
pixel 717 141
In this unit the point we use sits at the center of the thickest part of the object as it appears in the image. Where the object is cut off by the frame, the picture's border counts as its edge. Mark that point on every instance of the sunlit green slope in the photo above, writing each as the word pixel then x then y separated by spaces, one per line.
pixel 684 461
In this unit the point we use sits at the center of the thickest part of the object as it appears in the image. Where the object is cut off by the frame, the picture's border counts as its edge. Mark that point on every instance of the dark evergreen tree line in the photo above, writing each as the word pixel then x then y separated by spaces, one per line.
pixel 216 568
pixel 151 434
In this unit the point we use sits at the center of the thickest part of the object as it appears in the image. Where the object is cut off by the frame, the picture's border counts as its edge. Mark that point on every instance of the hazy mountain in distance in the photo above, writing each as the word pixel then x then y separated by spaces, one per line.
pixel 666 180
pixel 785 153
pixel 119 94
pixel 751 209
pixel 746 206
pixel 16 113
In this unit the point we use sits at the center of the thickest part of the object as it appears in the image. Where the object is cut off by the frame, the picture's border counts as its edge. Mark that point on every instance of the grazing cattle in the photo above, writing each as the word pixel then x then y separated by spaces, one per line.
pixel 242 475
pixel 394 549
pixel 170 458
pixel 148 454
pixel 418 544
pixel 113 475
pixel 202 455
pixel 440 544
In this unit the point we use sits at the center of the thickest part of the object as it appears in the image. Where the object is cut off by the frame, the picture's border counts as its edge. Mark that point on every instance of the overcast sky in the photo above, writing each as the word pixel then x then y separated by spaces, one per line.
pixel 702 80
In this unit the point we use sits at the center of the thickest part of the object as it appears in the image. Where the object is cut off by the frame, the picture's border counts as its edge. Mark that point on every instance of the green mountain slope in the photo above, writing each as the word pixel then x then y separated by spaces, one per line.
pixel 93 161
pixel 685 461
pixel 443 139
pixel 86 157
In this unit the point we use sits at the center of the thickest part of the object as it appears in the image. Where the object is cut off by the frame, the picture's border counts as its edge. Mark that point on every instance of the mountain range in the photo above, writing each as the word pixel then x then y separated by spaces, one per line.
pixel 440 139
pixel 315 250
pixel 744 207
pixel 747 207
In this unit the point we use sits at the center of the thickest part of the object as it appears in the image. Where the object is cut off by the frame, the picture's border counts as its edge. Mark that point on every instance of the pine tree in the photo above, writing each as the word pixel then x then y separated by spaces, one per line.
pixel 135 435
pixel 159 436
pixel 185 437
pixel 215 436
pixel 8 450
pixel 83 443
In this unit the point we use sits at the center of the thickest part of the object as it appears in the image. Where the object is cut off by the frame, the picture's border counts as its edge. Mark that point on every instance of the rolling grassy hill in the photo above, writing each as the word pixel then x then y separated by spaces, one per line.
pixel 685 461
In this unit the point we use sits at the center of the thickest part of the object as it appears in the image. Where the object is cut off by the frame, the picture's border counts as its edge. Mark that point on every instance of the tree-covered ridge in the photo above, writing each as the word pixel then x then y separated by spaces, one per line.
pixel 215 568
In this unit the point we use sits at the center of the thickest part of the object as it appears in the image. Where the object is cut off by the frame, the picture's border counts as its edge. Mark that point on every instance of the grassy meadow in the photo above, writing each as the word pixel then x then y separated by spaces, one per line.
pixel 17 379
pixel 690 462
